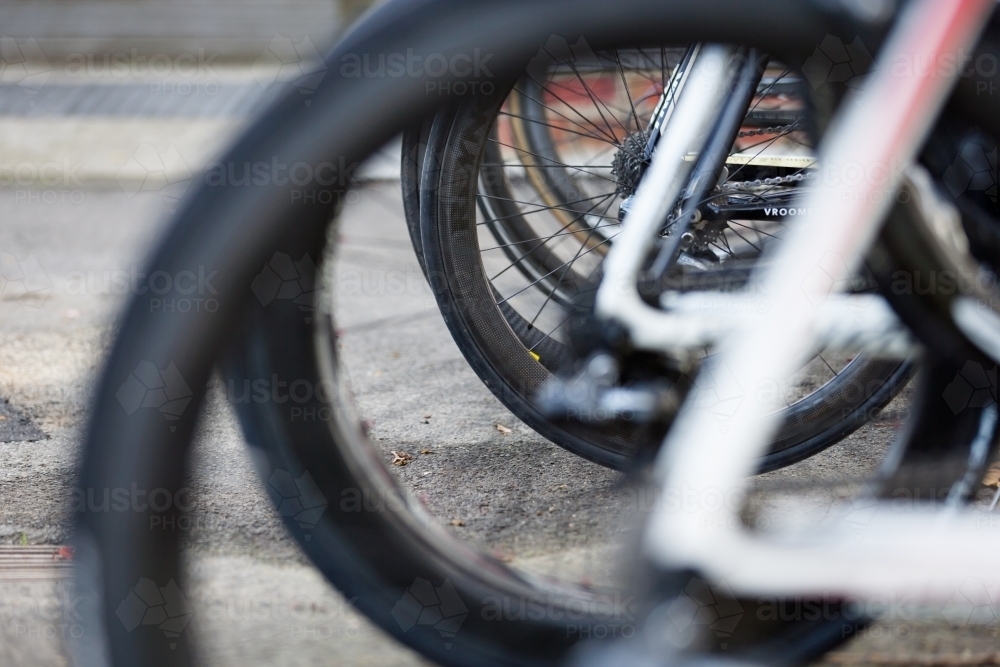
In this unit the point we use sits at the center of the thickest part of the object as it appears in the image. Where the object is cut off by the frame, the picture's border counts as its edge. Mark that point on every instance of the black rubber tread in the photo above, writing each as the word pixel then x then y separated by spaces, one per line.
pixel 414 146
pixel 411 165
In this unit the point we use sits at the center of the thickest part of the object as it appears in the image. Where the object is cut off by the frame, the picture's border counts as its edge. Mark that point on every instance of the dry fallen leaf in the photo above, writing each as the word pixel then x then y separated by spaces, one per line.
pixel 426 451
pixel 992 476
pixel 503 429
pixel 457 522
pixel 400 458
pixel 3 418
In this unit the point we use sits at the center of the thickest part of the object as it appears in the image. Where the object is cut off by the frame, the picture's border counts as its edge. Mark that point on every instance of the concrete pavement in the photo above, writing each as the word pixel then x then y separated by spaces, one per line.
pixel 255 599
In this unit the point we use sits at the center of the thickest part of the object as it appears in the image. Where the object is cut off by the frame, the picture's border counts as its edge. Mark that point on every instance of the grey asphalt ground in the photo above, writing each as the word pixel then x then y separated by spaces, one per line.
pixel 51 343
pixel 256 600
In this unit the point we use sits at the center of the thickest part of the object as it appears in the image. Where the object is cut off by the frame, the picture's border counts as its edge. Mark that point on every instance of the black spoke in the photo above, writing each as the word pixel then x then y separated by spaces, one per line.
pixel 555 127
pixel 745 240
pixel 628 94
pixel 599 103
pixel 600 130
pixel 610 107
pixel 760 195
pixel 549 208
pixel 500 143
pixel 729 248
pixel 835 374
pixel 760 233
pixel 549 334
pixel 784 395
pixel 726 250
pixel 529 253
pixel 560 165
pixel 562 275
pixel 599 154
pixel 733 222
pixel 780 135
pixel 532 284
pixel 762 94
pixel 542 207
pixel 540 238
pixel 593 99
pixel 769 142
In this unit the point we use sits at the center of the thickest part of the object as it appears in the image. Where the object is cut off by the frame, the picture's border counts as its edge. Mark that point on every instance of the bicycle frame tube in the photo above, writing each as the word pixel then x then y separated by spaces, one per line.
pixel 665 108
pixel 713 156
pixel 711 450
pixel 692 104
pixel 692 115
pixel 668 98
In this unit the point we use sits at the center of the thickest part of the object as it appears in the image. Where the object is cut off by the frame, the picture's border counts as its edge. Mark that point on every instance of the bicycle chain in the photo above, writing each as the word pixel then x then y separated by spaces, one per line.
pixel 777 129
pixel 759 183
pixel 777 180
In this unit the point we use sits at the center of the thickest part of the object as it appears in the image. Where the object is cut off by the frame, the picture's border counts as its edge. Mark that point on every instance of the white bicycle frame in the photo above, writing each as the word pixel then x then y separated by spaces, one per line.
pixel 722 429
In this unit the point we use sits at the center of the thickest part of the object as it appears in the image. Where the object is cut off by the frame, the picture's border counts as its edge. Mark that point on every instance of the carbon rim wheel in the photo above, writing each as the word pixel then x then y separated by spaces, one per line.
pixel 466 223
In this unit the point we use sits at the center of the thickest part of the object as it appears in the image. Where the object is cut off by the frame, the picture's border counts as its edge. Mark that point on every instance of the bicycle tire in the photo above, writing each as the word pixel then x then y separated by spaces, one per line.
pixel 495 339
pixel 237 230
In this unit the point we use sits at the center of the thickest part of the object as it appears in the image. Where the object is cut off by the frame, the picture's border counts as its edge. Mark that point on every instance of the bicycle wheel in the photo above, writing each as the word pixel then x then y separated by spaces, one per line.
pixel 237 231
pixel 553 156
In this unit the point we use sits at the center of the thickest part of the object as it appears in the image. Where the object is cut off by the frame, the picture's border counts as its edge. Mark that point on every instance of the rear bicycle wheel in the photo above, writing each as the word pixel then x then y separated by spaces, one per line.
pixel 508 252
